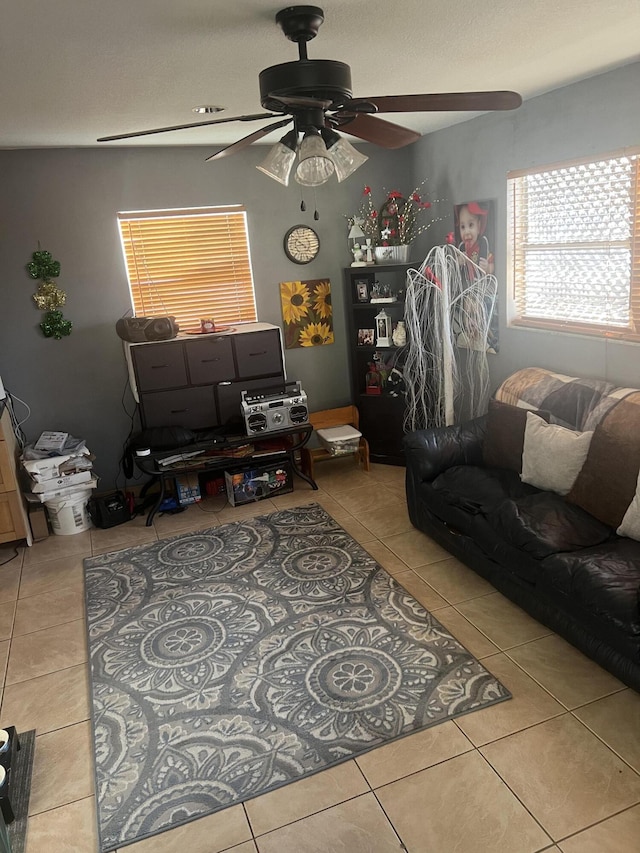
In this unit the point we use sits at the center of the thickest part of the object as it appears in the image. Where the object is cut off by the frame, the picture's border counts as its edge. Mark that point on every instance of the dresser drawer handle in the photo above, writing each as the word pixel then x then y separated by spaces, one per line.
pixel 263 352
pixel 224 383
pixel 209 360
pixel 178 411
pixel 158 366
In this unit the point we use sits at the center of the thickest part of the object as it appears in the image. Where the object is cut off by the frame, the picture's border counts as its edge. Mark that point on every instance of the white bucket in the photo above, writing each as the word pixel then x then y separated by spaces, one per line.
pixel 69 514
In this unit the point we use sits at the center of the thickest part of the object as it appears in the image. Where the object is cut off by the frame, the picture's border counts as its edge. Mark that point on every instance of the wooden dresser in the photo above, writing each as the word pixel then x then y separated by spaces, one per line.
pixel 14 523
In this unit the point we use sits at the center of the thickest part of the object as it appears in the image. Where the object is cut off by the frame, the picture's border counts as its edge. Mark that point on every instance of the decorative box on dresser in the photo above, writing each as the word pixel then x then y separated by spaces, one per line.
pixel 381 415
pixel 14 523
pixel 196 381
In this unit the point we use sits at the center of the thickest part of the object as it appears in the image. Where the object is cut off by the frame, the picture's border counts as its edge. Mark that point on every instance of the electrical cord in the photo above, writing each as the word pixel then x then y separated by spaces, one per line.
pixel 125 469
pixel 15 423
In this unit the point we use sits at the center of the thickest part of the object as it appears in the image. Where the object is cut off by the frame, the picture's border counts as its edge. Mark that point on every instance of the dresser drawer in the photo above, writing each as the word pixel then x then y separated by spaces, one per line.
pixel 210 361
pixel 258 353
pixel 230 399
pixel 192 408
pixel 159 366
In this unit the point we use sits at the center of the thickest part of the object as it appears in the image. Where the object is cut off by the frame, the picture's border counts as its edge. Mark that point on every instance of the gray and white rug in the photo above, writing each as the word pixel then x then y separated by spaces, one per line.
pixel 228 662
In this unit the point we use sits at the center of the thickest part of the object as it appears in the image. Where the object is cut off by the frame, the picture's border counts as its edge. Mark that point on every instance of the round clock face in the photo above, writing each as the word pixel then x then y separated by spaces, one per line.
pixel 301 244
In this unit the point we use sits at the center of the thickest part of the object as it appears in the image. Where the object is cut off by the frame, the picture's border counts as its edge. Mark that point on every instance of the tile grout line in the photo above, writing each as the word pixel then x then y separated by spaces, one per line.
pixel 582 829
pixel 9 640
pixel 403 846
pixel 62 806
pixel 319 811
pixel 562 713
pixel 539 683
pixel 602 741
pixel 598 822
pixel 524 806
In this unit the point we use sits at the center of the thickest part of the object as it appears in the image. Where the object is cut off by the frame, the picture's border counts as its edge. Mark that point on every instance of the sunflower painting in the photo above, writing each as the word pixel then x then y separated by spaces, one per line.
pixel 307 313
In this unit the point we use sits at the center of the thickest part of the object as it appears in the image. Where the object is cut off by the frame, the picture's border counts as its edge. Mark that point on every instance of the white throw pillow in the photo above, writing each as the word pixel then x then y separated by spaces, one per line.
pixel 630 525
pixel 552 456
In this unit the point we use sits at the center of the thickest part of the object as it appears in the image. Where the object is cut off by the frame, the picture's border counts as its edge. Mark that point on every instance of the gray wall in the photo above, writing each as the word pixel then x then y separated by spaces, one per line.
pixel 471 161
pixel 67 199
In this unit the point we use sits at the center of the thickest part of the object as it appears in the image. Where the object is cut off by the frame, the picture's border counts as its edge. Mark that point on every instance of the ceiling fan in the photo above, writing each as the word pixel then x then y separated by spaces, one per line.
pixel 316 96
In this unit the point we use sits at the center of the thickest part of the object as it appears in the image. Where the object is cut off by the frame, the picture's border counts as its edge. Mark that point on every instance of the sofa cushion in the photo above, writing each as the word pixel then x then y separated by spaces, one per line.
pixel 604 580
pixel 572 402
pixel 552 455
pixel 630 525
pixel 543 523
pixel 503 442
pixel 474 530
pixel 479 490
pixel 607 482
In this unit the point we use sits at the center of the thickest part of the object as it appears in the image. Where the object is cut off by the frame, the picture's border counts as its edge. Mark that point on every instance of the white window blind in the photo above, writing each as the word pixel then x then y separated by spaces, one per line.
pixel 189 263
pixel 574 231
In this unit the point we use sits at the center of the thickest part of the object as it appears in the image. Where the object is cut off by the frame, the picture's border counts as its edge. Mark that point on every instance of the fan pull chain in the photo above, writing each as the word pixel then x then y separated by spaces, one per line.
pixel 316 215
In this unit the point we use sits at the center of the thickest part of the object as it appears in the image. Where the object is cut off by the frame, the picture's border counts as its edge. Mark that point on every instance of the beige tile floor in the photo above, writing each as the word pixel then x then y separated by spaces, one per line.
pixel 555 768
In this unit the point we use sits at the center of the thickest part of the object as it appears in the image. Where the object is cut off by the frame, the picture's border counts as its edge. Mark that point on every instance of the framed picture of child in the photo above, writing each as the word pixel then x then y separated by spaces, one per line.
pixel 366 337
pixel 475 238
pixel 475 228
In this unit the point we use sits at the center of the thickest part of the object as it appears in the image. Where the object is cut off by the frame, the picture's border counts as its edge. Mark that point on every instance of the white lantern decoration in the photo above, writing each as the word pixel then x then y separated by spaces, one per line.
pixel 383 329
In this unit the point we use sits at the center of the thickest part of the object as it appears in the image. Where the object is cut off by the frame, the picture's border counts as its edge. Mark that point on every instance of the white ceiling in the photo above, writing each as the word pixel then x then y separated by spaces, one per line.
pixel 74 70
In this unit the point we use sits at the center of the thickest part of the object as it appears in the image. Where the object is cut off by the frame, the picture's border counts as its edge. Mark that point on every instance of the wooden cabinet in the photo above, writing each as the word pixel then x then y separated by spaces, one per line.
pixel 197 382
pixel 13 518
pixel 381 415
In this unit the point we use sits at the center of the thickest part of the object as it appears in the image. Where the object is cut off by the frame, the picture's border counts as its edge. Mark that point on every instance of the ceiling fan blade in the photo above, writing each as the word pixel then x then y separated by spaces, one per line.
pixel 256 117
pixel 445 102
pixel 376 130
pixel 247 140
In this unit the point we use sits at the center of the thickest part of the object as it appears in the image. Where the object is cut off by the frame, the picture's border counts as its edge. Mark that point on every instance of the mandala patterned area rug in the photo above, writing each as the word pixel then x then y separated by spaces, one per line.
pixel 229 662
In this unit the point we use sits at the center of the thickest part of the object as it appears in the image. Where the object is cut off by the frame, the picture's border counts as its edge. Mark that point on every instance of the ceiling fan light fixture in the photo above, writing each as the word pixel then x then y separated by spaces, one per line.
pixel 279 161
pixel 346 158
pixel 315 166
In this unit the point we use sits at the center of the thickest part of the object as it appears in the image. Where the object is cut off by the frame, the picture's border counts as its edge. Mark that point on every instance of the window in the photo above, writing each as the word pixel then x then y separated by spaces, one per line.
pixel 191 264
pixel 574 234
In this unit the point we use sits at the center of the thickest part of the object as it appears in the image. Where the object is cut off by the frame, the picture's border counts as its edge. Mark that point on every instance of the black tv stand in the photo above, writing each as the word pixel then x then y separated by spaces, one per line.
pixel 199 456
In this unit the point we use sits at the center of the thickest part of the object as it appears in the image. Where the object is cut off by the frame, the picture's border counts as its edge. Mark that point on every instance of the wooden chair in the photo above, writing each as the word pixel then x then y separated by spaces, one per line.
pixel 347 415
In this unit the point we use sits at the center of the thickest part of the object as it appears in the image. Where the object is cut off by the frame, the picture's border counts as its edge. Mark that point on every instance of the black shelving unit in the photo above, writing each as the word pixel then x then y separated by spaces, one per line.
pixel 381 415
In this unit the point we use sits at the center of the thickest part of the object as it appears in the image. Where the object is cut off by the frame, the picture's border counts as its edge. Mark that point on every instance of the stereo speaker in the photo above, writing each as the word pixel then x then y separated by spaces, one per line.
pixel 137 330
pixel 264 412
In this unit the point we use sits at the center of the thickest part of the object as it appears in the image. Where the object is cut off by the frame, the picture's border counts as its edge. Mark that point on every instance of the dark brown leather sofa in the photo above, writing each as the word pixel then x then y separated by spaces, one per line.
pixel 560 563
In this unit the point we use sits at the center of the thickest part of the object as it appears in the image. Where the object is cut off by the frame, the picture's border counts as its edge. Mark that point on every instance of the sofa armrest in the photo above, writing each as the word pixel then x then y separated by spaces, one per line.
pixel 429 452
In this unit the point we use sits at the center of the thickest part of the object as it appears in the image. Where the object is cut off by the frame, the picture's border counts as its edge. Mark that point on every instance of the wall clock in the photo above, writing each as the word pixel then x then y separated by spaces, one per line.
pixel 301 244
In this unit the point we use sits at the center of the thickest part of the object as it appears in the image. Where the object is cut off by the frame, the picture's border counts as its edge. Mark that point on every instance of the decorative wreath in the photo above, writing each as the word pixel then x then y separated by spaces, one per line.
pixel 49 297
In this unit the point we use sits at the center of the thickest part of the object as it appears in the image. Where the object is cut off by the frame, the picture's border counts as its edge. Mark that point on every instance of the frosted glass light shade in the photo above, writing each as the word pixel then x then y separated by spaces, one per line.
pixel 346 158
pixel 278 163
pixel 315 167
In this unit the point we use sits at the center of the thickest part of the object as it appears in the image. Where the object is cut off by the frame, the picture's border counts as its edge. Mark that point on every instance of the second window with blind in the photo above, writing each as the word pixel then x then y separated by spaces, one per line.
pixel 191 264
pixel 574 242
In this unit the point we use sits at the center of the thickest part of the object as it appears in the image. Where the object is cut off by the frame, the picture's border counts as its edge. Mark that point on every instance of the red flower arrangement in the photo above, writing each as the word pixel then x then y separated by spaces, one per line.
pixel 396 222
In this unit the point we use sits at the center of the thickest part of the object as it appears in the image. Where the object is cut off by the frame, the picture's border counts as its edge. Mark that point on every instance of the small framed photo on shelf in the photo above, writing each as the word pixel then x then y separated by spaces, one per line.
pixel 366 337
pixel 362 289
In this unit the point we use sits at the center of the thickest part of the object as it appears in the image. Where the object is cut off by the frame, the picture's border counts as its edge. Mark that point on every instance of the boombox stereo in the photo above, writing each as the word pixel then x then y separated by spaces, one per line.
pixel 268 412
pixel 137 330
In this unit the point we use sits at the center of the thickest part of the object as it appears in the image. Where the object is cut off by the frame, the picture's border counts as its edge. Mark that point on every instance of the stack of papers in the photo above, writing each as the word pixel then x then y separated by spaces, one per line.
pixel 52 441
pixel 51 476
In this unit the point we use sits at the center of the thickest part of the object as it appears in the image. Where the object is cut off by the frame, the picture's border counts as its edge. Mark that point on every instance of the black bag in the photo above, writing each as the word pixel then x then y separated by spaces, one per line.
pixel 109 510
